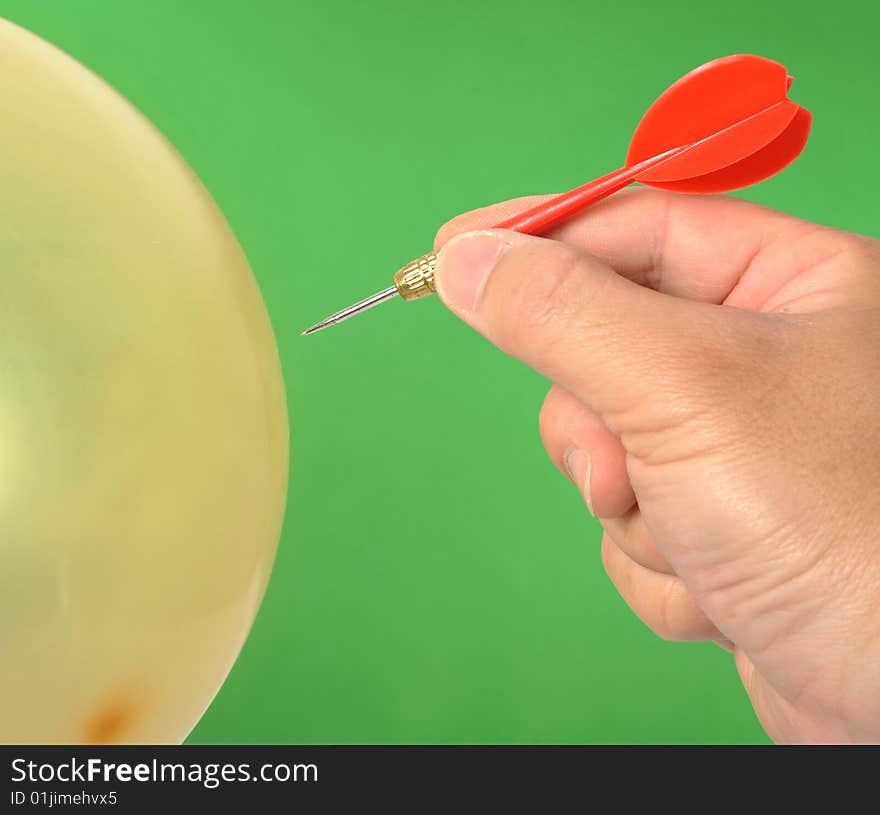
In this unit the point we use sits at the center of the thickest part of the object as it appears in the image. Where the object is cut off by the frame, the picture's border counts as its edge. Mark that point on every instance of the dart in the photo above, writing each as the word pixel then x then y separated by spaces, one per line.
pixel 725 125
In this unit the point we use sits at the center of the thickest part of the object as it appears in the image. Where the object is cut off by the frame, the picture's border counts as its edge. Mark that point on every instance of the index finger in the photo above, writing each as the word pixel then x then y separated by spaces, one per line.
pixel 692 246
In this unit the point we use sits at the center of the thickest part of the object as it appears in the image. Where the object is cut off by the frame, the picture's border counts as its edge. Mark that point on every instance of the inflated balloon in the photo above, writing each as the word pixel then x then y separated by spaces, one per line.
pixel 143 427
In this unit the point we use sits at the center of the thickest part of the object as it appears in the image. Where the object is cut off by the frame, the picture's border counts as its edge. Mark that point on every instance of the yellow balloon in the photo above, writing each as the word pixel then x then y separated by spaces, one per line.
pixel 143 425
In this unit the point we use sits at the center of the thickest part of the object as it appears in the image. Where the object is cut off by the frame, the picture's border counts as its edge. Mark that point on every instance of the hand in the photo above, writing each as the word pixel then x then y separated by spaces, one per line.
pixel 717 401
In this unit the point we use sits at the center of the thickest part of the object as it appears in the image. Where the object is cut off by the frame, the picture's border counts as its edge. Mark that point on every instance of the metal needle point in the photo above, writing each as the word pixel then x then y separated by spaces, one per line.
pixel 412 282
pixel 357 308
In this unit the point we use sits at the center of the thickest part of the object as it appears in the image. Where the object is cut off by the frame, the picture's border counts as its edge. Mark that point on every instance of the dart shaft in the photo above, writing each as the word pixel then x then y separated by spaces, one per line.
pixel 546 215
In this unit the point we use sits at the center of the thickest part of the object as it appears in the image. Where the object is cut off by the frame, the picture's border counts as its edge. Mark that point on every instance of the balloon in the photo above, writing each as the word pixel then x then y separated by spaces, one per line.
pixel 143 424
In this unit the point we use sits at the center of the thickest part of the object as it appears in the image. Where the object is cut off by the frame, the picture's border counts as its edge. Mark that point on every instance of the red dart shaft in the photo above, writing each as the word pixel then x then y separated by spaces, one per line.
pixel 540 219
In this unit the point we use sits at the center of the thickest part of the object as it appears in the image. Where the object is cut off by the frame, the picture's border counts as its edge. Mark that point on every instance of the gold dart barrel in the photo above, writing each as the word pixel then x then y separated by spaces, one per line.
pixel 416 279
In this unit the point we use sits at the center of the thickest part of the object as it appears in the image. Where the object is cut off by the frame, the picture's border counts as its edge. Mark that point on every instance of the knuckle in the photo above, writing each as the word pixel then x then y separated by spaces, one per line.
pixel 663 620
pixel 679 618
pixel 549 415
pixel 666 626
pixel 861 261
pixel 628 535
pixel 546 423
pixel 606 556
pixel 663 614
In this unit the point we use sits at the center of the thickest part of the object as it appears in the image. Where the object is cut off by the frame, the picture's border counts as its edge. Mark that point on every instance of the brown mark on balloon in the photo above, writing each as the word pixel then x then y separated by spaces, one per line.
pixel 112 720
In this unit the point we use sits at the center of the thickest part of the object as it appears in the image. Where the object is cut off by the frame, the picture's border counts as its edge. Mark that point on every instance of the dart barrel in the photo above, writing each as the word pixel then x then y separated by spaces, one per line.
pixel 416 279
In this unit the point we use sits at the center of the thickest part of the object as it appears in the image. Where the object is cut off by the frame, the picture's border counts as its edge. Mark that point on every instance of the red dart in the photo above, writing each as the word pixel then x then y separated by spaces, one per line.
pixel 723 126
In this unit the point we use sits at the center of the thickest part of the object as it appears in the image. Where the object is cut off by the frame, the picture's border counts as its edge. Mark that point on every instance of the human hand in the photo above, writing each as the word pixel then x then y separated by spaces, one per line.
pixel 717 402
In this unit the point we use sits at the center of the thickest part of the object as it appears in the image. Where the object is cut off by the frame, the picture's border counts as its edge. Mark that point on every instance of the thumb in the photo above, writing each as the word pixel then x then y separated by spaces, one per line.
pixel 612 343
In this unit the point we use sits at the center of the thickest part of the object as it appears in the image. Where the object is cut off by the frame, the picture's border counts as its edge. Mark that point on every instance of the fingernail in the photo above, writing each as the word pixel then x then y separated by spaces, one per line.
pixel 463 267
pixel 580 468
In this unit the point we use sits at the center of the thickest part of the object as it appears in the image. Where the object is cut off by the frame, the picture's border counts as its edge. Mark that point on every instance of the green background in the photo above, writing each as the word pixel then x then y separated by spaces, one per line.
pixel 437 580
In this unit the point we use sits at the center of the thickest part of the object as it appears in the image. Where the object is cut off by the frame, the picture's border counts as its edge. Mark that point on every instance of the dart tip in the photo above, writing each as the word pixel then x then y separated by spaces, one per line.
pixel 315 328
pixel 357 308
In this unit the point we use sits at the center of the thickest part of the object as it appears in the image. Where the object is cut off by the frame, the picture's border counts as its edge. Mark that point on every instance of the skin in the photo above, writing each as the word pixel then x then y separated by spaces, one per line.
pixel 716 400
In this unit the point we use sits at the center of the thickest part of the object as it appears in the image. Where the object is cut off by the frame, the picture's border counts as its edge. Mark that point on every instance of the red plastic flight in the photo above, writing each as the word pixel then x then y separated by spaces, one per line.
pixel 723 126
